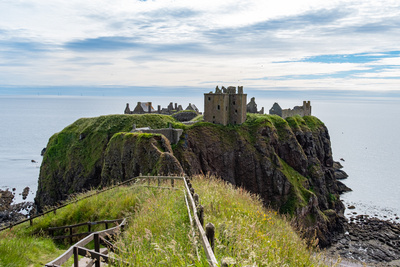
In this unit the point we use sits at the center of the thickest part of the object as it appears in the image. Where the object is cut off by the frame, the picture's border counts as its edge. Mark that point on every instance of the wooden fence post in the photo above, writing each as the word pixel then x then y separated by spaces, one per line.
pixel 89 227
pixel 172 183
pixel 96 248
pixel 196 199
pixel 70 233
pixel 210 233
pixel 148 179
pixel 76 258
pixel 200 211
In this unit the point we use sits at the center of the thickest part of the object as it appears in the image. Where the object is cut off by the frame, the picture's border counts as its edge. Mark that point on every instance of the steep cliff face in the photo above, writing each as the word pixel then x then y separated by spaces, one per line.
pixel 129 154
pixel 287 162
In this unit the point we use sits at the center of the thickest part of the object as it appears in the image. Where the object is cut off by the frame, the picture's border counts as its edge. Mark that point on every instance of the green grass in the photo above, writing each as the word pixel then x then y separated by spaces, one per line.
pixel 256 121
pixel 198 118
pixel 159 232
pixel 26 250
pixel 246 232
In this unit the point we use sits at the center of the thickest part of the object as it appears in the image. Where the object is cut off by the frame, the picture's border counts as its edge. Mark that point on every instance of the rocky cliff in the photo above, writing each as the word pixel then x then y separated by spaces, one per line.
pixel 287 162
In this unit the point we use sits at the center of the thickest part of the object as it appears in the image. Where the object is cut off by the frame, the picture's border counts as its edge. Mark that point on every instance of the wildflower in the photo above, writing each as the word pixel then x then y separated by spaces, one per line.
pixel 148 235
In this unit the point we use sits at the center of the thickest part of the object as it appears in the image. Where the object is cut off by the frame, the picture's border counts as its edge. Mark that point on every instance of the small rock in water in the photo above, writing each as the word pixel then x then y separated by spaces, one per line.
pixel 25 193
pixel 351 207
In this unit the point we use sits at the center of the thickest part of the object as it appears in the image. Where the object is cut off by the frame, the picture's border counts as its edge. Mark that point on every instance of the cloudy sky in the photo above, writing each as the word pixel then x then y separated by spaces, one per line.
pixel 260 44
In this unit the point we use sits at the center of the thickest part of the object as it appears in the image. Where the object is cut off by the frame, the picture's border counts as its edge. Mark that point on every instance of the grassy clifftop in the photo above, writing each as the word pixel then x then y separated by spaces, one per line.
pixel 158 230
pixel 288 163
pixel 85 140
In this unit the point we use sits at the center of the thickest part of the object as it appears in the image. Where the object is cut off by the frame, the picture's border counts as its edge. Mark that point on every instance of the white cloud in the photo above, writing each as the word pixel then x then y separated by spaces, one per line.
pixel 191 43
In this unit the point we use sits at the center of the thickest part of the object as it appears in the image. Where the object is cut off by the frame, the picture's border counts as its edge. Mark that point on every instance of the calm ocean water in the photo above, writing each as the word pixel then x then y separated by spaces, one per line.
pixel 363 132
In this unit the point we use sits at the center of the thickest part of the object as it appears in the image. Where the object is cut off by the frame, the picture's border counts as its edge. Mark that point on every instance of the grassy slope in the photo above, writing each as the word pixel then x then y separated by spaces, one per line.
pixel 95 132
pixel 158 229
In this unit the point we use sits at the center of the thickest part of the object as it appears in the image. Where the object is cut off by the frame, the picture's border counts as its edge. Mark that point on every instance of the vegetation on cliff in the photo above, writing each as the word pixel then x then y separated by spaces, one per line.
pixel 158 230
pixel 74 157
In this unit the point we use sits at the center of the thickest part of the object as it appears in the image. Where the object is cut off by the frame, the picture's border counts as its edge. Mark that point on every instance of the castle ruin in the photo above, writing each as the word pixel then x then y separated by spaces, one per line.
pixel 225 106
pixel 304 110
pixel 252 107
pixel 147 108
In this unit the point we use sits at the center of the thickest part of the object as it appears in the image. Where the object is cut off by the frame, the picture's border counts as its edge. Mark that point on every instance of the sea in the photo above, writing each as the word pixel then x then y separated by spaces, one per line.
pixel 364 132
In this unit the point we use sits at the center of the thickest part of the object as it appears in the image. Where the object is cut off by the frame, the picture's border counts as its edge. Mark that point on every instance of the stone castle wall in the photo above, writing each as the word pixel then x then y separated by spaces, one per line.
pixel 225 106
pixel 304 110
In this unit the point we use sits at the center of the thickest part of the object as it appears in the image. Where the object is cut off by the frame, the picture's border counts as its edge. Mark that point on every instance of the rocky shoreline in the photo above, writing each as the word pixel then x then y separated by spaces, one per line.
pixel 10 212
pixel 368 240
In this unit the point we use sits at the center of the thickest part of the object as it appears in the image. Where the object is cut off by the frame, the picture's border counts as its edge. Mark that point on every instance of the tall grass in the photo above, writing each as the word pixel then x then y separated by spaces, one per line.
pixel 159 231
pixel 246 232
pixel 26 250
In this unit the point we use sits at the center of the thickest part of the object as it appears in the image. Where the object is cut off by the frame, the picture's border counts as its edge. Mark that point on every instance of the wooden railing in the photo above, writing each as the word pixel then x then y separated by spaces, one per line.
pixel 52 230
pixel 78 249
pixel 205 240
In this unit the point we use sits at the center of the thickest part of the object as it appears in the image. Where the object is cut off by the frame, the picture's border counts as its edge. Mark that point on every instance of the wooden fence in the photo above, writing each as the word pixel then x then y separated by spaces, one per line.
pixel 95 255
pixel 52 230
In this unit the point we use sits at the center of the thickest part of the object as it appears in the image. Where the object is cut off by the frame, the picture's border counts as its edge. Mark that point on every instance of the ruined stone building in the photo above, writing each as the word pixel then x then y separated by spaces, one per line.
pixel 252 107
pixel 193 107
pixel 304 110
pixel 141 108
pixel 146 107
pixel 225 106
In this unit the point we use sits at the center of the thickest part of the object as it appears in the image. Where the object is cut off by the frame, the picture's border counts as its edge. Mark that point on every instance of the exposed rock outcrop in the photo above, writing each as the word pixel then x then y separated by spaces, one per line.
pixel 12 212
pixel 369 240
pixel 129 154
pixel 289 165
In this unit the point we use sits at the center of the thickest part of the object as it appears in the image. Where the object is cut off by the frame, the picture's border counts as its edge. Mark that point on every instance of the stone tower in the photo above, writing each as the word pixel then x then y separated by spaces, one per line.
pixel 225 106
